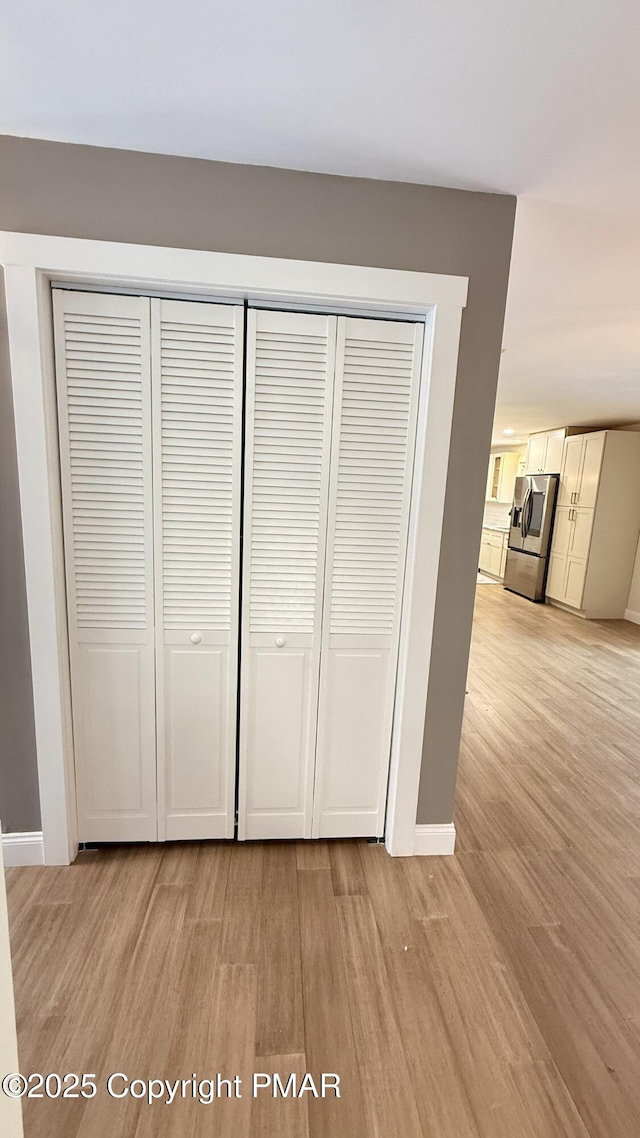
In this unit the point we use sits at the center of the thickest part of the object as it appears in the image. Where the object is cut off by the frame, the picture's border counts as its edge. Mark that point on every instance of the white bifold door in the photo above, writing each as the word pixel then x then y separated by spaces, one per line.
pixel 330 441
pixel 150 426
pixel 158 443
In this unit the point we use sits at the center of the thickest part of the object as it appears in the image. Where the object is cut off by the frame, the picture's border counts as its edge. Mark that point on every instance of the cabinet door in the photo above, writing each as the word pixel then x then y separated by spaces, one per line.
pixel 535 454
pixel 556 577
pixel 197 352
pixel 493 480
pixel 507 480
pixel 484 560
pixel 587 486
pixel 581 528
pixel 562 531
pixel 374 424
pixel 571 467
pixel 104 417
pixel 575 579
pixel 553 452
pixel 290 369
pixel 503 558
pixel 495 558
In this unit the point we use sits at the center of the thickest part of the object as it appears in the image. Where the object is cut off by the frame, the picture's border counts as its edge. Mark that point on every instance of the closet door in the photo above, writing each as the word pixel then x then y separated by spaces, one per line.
pixel 197 430
pixel 374 424
pixel 102 364
pixel 290 367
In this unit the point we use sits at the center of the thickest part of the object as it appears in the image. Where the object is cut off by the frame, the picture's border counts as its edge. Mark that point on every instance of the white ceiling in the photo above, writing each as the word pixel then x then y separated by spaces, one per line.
pixel 537 98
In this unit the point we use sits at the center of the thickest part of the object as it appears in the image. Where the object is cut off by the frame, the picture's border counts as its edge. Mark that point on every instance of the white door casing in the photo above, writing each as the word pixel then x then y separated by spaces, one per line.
pixel 197 366
pixel 31 263
pixel 373 440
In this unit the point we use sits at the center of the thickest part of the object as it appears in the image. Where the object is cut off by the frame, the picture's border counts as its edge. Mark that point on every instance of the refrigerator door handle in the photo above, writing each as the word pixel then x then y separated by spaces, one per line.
pixel 524 524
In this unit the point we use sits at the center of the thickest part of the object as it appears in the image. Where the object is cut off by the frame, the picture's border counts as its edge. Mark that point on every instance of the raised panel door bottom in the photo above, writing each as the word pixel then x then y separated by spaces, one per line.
pixel 199 743
pixel 115 744
pixel 353 744
pixel 280 743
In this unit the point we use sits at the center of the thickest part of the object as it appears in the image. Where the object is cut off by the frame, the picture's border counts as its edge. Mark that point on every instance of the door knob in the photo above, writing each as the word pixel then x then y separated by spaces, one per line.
pixel 281 641
pixel 196 637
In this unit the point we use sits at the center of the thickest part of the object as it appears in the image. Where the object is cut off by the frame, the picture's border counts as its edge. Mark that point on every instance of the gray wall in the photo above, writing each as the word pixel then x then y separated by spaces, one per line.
pixel 151 199
pixel 19 806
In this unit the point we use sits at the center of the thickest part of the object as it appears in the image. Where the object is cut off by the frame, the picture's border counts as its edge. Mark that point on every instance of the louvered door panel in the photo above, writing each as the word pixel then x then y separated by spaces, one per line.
pixel 290 368
pixel 102 367
pixel 197 417
pixel 373 442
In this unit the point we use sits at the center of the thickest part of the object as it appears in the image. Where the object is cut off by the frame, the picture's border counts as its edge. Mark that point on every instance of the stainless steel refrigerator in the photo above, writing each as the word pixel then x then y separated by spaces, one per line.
pixel 530 535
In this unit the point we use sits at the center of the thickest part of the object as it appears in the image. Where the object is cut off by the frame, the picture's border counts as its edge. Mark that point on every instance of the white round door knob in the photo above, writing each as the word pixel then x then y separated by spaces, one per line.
pixel 280 641
pixel 196 637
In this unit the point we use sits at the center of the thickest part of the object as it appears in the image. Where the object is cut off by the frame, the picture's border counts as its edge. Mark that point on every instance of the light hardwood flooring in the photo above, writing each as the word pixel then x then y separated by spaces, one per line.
pixel 495 994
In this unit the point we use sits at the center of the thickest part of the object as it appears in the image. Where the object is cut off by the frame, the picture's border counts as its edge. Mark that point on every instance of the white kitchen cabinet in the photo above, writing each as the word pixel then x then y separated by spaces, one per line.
pixel 544 452
pixel 493 552
pixel 501 476
pixel 580 472
pixel 596 524
pixel 566 580
pixel 572 531
pixel 536 449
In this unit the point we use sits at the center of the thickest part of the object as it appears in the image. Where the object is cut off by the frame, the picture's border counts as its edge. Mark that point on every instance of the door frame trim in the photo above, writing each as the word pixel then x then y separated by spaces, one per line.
pixel 31 263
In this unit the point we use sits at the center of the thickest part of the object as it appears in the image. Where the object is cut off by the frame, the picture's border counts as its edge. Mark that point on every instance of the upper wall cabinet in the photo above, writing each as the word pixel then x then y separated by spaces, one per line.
pixel 580 470
pixel 544 452
pixel 501 477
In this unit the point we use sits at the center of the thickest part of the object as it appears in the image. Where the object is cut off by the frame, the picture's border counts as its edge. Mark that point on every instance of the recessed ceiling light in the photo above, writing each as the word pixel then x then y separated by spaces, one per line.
pixel 509 431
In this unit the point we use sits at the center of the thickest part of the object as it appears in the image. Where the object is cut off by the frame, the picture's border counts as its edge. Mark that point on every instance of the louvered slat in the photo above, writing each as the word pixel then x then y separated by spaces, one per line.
pixel 372 472
pixel 288 440
pixel 104 422
pixel 198 394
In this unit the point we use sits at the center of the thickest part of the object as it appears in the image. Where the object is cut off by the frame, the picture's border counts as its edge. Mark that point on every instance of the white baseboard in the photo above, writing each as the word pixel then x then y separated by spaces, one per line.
pixel 436 840
pixel 23 849
pixel 634 617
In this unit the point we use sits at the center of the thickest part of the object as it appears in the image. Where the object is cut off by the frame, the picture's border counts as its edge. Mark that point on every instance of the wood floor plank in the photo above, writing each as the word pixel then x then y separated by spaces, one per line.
pixel 232 1050
pixel 242 919
pixel 145 1008
pixel 280 1026
pixel 439 1089
pixel 208 893
pixel 192 1043
pixel 313 855
pixel 329 1041
pixel 389 1099
pixel 347 871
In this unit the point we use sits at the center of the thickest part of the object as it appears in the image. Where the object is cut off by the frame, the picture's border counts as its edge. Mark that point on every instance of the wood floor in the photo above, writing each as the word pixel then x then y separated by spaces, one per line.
pixel 495 994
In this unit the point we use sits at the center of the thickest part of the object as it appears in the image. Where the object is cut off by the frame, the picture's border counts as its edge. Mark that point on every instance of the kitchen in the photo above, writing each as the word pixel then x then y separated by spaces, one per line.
pixel 562 519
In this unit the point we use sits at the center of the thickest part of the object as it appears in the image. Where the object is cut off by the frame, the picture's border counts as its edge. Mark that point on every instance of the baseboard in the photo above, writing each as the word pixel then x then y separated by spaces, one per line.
pixel 436 840
pixel 23 849
pixel 634 617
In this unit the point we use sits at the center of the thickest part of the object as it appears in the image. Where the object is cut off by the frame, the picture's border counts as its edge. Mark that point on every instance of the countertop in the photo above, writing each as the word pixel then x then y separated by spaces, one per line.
pixel 498 529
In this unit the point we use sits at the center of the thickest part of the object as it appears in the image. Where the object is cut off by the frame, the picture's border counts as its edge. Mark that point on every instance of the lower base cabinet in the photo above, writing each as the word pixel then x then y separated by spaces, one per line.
pixel 566 579
pixel 493 552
